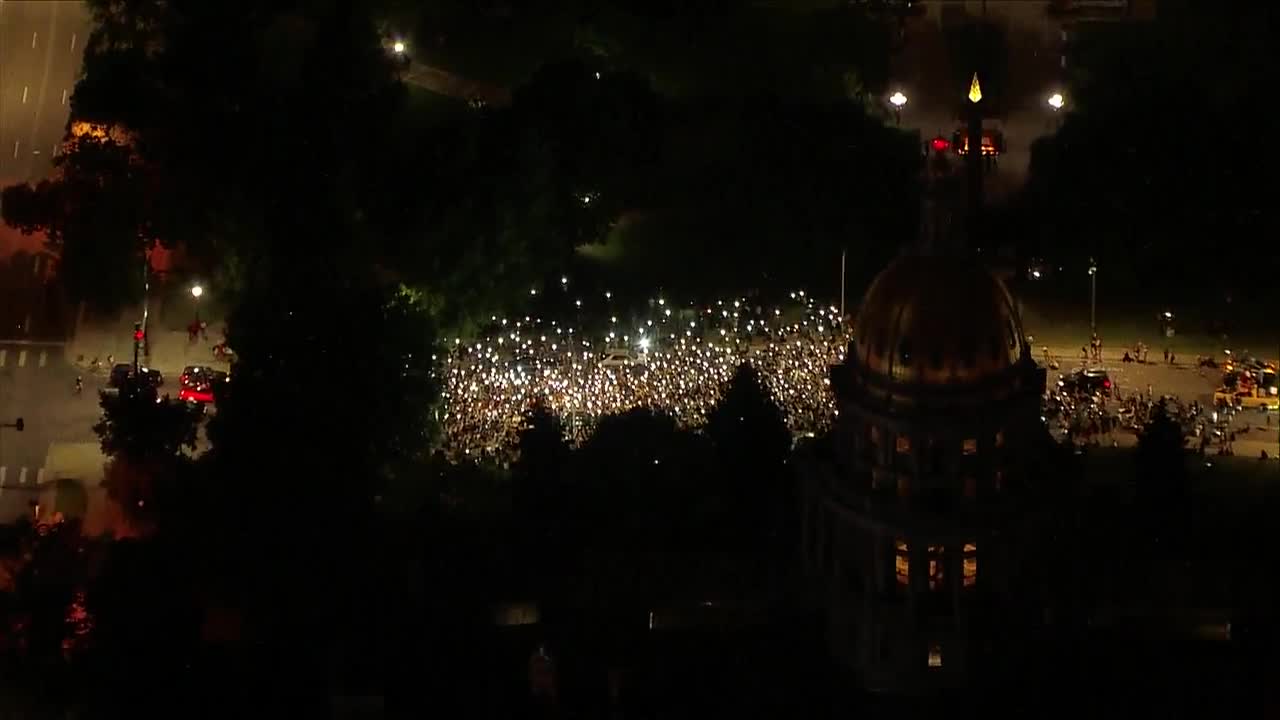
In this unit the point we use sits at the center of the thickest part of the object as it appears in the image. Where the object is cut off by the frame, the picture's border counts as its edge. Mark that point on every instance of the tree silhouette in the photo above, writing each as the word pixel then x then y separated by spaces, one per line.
pixel 540 476
pixel 752 443
pixel 144 436
pixel 643 483
pixel 92 213
pixel 1161 458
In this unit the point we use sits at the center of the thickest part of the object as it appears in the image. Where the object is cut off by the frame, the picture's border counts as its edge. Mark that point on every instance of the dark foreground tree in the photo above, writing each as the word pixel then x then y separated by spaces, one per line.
pixel 92 214
pixel 144 436
pixel 334 390
pixel 752 442
pixel 1161 459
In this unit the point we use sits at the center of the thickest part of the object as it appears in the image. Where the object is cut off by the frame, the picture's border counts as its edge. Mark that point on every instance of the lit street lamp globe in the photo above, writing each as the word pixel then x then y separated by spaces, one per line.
pixel 1056 101
pixel 196 291
pixel 898 99
pixel 398 47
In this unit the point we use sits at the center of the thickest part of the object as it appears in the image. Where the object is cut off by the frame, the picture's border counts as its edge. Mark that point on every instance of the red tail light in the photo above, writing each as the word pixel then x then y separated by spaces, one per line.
pixel 1106 383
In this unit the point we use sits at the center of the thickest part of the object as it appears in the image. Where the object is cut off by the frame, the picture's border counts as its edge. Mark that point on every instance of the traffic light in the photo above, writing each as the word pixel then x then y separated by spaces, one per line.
pixel 137 332
pixel 19 424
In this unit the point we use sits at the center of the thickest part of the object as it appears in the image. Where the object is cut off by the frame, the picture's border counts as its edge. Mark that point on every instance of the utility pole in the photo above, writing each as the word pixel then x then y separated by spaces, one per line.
pixel 138 335
pixel 843 253
pixel 1093 297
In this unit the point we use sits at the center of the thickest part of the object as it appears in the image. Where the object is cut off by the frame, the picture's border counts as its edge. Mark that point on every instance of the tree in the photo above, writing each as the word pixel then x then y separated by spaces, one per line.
pixel 334 389
pixel 294 120
pixel 642 483
pixel 539 478
pixel 92 215
pixel 144 436
pixel 752 443
pixel 1146 163
pixel 1161 459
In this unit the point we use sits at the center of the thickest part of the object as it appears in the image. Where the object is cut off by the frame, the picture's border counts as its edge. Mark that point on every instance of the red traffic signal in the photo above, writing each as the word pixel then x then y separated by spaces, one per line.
pixel 940 144
pixel 137 332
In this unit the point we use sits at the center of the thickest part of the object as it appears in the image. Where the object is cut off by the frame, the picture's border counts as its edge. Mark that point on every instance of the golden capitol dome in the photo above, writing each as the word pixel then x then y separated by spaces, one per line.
pixel 930 320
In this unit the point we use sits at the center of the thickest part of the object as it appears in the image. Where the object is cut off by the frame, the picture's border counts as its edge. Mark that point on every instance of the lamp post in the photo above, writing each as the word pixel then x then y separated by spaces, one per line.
pixel 1056 101
pixel 897 100
pixel 843 252
pixel 1093 297
pixel 196 292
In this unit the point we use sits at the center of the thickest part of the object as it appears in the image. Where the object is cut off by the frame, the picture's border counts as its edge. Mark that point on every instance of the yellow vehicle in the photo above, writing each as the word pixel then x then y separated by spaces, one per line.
pixel 1251 387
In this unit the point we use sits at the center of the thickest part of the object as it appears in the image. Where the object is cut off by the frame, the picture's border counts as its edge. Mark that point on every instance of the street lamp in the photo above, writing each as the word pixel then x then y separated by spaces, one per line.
pixel 398 47
pixel 1093 297
pixel 1056 101
pixel 897 100
pixel 196 292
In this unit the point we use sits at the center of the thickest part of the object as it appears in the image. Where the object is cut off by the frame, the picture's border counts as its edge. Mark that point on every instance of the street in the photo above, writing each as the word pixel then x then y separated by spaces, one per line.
pixel 37 383
pixel 41 45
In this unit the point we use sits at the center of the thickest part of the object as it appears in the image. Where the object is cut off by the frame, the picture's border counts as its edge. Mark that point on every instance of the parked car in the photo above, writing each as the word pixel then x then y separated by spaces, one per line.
pixel 201 384
pixel 621 359
pixel 122 372
pixel 1089 382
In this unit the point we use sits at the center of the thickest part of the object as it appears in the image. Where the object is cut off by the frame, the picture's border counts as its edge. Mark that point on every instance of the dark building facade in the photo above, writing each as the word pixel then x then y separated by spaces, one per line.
pixel 911 510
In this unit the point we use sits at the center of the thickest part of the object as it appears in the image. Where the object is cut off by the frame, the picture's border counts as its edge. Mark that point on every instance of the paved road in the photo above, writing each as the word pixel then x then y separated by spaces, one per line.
pixel 443 82
pixel 36 384
pixel 41 46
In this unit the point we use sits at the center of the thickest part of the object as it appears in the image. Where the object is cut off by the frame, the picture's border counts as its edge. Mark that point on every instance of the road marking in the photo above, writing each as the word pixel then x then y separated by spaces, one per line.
pixel 24 93
pixel 40 476
pixel 22 475
pixel 34 35
pixel 3 353
pixel 73 42
pixel 44 357
pixel 64 96
pixel 15 149
pixel 22 358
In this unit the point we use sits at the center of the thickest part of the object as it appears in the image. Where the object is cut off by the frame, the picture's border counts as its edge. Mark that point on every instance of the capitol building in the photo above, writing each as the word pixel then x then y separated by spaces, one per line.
pixel 910 512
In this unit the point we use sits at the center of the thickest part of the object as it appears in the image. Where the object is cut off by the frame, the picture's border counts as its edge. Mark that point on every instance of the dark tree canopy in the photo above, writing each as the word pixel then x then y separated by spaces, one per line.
pixel 1146 170
pixel 145 436
pixel 1161 458
pixel 94 215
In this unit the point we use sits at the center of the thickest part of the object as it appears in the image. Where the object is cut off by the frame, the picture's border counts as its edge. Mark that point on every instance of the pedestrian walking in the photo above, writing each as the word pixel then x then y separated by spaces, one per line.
pixel 1166 355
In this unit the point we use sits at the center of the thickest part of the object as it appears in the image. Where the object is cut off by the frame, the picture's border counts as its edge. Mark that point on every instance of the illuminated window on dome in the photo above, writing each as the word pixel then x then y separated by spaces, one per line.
pixel 904 444
pixel 902 564
pixel 935 656
pixel 970 564
pixel 937 564
pixel 971 446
